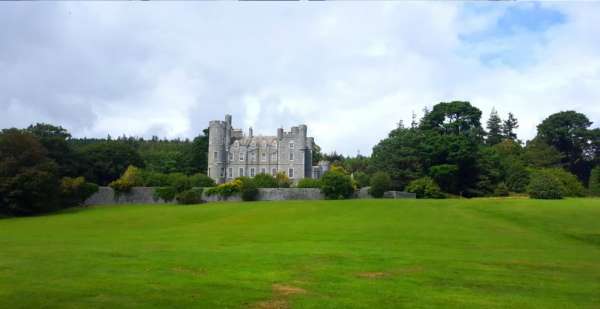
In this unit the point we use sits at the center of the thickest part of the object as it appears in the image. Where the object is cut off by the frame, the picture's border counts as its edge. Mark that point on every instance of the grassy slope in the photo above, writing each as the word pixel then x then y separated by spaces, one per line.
pixel 370 253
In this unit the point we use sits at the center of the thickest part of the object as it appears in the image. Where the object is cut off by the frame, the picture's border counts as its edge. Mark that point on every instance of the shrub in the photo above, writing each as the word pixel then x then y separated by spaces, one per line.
pixel 362 179
pixel 248 189
pixel 282 180
pixel 226 189
pixel 425 187
pixel 191 196
pixel 309 183
pixel 517 176
pixel 570 184
pixel 201 180
pixel 544 185
pixel 179 181
pixel 129 179
pixel 446 176
pixel 166 193
pixel 74 191
pixel 501 190
pixel 263 180
pixel 380 182
pixel 336 185
pixel 154 179
pixel 594 186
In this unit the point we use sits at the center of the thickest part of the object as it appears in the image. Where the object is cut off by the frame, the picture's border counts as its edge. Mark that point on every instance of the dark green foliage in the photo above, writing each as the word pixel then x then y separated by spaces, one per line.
pixel 190 196
pixel 489 172
pixel 179 181
pixel 544 185
pixel 29 182
pixel 55 140
pixel 106 161
pixel 446 175
pixel 594 186
pixel 166 193
pixel 572 187
pixel 336 185
pixel 501 190
pixel 449 135
pixel 508 148
pixel 456 117
pixel 508 127
pixel 568 133
pixel 74 191
pixel 263 180
pixel 309 183
pixel 380 182
pixel 201 180
pixel 516 175
pixel 248 189
pixel 153 179
pixel 316 154
pixel 362 179
pixel 425 187
pixel 539 154
pixel 494 127
pixel 401 155
pixel 356 164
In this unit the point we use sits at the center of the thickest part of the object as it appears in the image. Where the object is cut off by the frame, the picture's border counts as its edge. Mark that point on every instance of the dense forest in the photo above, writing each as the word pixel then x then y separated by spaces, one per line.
pixel 446 153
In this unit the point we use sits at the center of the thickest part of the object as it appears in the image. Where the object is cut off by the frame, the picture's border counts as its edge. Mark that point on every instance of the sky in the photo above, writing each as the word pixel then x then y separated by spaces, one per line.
pixel 350 71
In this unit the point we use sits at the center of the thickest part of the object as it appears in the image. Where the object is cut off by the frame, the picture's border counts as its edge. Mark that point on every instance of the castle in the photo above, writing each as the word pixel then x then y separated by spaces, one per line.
pixel 232 154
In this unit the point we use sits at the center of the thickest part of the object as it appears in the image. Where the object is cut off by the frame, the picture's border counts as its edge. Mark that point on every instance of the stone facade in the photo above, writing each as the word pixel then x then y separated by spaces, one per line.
pixel 232 154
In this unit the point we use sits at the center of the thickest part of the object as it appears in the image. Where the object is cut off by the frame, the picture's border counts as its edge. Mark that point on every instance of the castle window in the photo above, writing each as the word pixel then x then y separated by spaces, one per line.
pixel 291 145
pixel 241 172
pixel 222 171
pixel 215 155
pixel 236 144
pixel 231 156
pixel 253 156
pixel 274 171
pixel 263 170
pixel 291 173
pixel 241 156
pixel 252 172
pixel 264 156
pixel 291 155
pixel 209 171
pixel 230 172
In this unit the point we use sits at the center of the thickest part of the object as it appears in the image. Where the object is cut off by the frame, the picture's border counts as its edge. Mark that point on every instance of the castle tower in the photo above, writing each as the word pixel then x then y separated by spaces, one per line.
pixel 219 136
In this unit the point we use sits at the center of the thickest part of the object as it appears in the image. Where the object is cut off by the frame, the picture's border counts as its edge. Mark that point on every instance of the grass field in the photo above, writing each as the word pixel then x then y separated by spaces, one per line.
pixel 321 254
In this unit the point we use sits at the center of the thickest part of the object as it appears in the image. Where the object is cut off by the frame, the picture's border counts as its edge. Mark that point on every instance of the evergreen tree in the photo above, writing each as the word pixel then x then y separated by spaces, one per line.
pixel 509 126
pixel 494 127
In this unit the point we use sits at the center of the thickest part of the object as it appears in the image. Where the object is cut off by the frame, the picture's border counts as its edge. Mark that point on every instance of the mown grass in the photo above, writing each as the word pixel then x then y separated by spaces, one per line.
pixel 321 254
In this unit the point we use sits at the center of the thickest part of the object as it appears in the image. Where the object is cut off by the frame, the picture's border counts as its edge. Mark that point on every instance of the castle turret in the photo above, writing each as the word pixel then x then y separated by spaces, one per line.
pixel 218 134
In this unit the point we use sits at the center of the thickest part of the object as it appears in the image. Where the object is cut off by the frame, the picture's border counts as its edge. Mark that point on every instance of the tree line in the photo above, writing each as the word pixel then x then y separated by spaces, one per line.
pixel 445 153
pixel 41 161
pixel 448 148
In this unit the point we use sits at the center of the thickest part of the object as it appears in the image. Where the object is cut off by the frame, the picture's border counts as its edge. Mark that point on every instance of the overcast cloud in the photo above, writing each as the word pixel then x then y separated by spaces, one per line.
pixel 350 71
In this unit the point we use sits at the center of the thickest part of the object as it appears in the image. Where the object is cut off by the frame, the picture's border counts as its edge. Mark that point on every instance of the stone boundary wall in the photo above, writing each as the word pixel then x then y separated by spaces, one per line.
pixel 137 195
pixel 145 195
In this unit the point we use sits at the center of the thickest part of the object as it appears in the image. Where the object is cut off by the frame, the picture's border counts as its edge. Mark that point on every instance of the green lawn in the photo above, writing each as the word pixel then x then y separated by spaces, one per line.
pixel 321 254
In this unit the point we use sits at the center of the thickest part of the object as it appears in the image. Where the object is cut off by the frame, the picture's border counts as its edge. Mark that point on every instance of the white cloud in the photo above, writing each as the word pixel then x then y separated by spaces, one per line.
pixel 350 71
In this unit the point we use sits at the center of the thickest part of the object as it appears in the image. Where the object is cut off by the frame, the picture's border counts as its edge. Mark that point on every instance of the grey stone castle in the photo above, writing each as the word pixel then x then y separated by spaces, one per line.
pixel 232 154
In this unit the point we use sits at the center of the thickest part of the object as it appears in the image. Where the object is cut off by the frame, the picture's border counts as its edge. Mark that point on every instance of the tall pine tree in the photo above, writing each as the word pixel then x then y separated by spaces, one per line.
pixel 494 127
pixel 509 126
